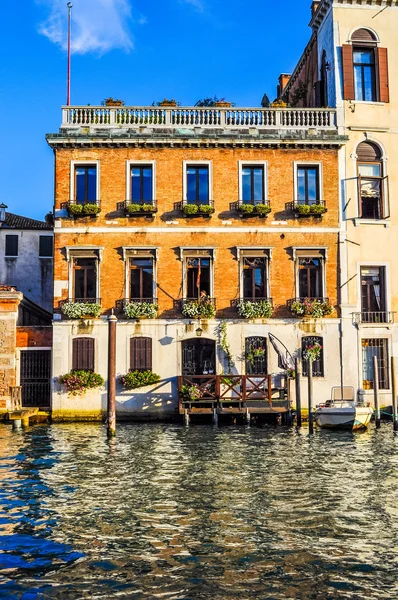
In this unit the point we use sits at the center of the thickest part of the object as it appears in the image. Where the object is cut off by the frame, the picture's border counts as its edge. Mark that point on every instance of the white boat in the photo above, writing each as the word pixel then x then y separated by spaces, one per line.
pixel 342 411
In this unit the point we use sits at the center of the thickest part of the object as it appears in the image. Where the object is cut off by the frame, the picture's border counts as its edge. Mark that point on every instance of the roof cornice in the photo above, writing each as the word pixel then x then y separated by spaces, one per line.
pixel 324 6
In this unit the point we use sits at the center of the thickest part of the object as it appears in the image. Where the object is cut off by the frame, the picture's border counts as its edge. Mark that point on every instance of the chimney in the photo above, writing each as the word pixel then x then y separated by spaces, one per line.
pixel 283 81
pixel 3 212
pixel 314 7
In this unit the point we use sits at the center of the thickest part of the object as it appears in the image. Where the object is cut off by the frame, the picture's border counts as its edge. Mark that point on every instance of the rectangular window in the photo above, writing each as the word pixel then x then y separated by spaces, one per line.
pixel 84 279
pixel 308 184
pixel 141 354
pixel 198 277
pixel 85 184
pixel 373 295
pixel 317 365
pixel 141 278
pixel 310 277
pixel 83 354
pixel 198 184
pixel 252 185
pixel 370 190
pixel 379 348
pixel 364 74
pixel 141 184
pixel 45 246
pixel 11 245
pixel 254 277
pixel 256 355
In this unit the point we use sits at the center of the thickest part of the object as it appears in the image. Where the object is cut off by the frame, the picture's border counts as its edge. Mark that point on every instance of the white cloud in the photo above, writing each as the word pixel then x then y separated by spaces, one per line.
pixel 198 4
pixel 97 25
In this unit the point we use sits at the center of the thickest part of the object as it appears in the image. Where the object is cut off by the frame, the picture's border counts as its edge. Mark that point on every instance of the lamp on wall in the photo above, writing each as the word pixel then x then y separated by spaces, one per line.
pixel 199 331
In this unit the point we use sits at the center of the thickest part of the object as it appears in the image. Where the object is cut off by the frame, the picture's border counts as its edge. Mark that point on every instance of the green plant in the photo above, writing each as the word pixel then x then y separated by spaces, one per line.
pixel 312 308
pixel 225 345
pixel 135 208
pixel 318 209
pixel 310 209
pixel 209 102
pixel 254 353
pixel 291 373
pixel 83 209
pixel 312 352
pixel 77 310
pixel 262 209
pixel 246 209
pixel 137 379
pixel 255 310
pixel 137 310
pixel 198 309
pixel 79 381
pixel 191 391
pixel 303 209
pixel 190 209
pixel 206 209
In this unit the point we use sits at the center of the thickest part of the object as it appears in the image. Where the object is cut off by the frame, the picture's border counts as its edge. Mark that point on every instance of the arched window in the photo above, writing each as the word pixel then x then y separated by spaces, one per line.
pixel 371 182
pixel 317 365
pixel 83 358
pixel 256 355
pixel 365 68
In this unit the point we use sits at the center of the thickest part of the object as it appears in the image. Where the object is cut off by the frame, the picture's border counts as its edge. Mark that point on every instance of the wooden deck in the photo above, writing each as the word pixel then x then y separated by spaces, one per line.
pixel 234 395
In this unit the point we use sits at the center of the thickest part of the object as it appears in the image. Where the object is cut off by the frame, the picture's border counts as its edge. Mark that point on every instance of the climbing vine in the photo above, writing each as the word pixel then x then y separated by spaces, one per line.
pixel 225 345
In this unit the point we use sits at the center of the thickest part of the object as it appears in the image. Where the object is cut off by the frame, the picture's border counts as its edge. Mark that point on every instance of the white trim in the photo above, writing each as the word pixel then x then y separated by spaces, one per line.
pixel 71 249
pixel 129 164
pixel 78 163
pixel 185 272
pixel 323 268
pixel 241 257
pixel 185 250
pixel 308 163
pixel 254 163
pixel 127 271
pixel 366 336
pixel 369 264
pixel 188 230
pixel 187 163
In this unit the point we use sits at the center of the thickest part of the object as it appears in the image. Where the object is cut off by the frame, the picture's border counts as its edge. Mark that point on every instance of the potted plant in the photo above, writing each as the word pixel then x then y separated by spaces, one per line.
pixel 141 310
pixel 254 210
pixel 83 210
pixel 112 102
pixel 255 310
pixel 80 310
pixel 136 379
pixel 166 102
pixel 198 309
pixel 77 382
pixel 311 308
pixel 191 392
pixel 310 210
pixel 255 353
pixel 202 210
pixel 134 209
pixel 312 352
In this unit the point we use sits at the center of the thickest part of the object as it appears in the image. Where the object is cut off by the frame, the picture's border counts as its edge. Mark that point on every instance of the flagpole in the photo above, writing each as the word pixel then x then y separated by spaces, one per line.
pixel 69 5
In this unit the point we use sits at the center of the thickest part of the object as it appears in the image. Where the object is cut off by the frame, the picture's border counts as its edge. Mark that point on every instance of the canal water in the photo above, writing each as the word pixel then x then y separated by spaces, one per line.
pixel 169 512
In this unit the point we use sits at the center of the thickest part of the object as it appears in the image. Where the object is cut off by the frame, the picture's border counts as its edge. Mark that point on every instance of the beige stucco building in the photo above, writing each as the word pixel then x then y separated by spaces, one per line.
pixel 355 50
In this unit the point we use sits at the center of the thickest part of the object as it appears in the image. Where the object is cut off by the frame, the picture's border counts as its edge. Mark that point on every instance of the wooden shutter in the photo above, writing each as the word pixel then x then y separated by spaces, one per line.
pixel 363 35
pixel 348 72
pixel 382 62
pixel 140 354
pixel 368 152
pixel 83 354
pixel 11 245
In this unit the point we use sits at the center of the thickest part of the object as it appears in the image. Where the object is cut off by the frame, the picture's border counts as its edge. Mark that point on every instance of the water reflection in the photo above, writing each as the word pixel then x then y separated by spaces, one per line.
pixel 188 513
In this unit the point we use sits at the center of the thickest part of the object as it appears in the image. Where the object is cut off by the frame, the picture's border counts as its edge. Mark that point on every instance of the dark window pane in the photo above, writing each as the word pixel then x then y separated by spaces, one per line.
pixel 307 185
pixel 198 277
pixel 256 355
pixel 91 184
pixel 79 284
pixel 85 279
pixel 11 245
pixel 141 184
pixel 317 365
pixel 258 184
pixel 141 278
pixel 252 184
pixel 197 185
pixel 45 246
pixel 379 348
pixel 86 184
pixel 203 185
pixel 254 278
pixel 310 278
pixel 246 185
pixel 80 185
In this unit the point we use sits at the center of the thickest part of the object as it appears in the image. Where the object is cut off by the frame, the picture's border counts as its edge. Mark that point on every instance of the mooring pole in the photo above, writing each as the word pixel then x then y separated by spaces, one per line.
pixel 394 395
pixel 111 431
pixel 297 367
pixel 310 415
pixel 376 391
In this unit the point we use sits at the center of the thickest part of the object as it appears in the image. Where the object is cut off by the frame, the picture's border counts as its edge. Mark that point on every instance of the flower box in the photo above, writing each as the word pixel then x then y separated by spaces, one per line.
pixel 309 210
pixel 137 210
pixel 198 310
pixel 197 210
pixel 83 210
pixel 254 210
pixel 81 310
pixel 249 309
pixel 136 379
pixel 141 310
pixel 311 308
pixel 79 381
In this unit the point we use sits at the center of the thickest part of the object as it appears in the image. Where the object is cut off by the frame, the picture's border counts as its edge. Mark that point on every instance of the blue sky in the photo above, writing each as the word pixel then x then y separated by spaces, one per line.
pixel 137 50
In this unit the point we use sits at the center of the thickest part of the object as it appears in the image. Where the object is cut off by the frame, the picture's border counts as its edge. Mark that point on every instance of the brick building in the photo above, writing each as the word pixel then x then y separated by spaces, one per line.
pixel 194 217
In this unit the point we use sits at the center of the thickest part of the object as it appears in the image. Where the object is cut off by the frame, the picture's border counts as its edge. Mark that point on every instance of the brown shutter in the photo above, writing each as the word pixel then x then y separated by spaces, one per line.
pixel 368 152
pixel 382 61
pixel 83 354
pixel 140 354
pixel 363 35
pixel 348 72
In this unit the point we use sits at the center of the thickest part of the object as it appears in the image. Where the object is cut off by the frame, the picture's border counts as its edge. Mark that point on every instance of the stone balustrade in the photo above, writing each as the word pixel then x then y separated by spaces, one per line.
pixel 108 117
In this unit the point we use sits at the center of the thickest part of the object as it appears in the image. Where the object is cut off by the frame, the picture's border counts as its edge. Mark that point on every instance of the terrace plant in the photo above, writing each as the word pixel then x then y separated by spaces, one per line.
pixel 137 379
pixel 141 310
pixel 255 310
pixel 131 209
pixel 310 209
pixel 83 209
pixel 312 308
pixel 198 310
pixel 191 392
pixel 195 209
pixel 77 382
pixel 312 352
pixel 78 310
pixel 260 210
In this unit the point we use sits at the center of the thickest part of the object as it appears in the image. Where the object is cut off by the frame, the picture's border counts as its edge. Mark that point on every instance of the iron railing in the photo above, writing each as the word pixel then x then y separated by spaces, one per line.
pixel 80 301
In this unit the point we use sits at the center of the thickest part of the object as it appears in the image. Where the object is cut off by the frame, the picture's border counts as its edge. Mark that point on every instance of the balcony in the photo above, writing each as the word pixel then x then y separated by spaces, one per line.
pixel 253 308
pixel 177 117
pixel 259 209
pixel 373 318
pixel 192 308
pixel 138 208
pixel 191 210
pixel 316 209
pixel 316 307
pixel 138 308
pixel 81 308
pixel 78 209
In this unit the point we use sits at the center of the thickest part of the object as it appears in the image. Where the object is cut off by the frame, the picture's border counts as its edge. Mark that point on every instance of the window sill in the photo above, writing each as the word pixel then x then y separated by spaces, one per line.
pixel 375 325
pixel 367 102
pixel 382 222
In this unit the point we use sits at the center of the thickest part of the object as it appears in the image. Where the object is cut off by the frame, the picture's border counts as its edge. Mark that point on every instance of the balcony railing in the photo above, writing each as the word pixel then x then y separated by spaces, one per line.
pixel 138 208
pixel 103 117
pixel 80 301
pixel 374 317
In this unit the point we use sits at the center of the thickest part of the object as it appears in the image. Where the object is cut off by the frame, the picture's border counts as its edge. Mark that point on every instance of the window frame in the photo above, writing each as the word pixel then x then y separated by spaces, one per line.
pixel 197 163
pixel 93 343
pixel 253 163
pixel 15 237
pixel 309 164
pixel 186 253
pixel 368 47
pixel 387 285
pixel 315 339
pixel 248 342
pixel 386 366
pixel 316 252
pixel 140 163
pixel 139 252
pixel 252 252
pixel 52 246
pixel 73 252
pixel 83 163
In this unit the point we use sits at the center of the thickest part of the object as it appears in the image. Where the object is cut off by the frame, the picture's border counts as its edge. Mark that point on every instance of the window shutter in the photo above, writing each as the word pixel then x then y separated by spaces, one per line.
pixel 140 354
pixel 11 245
pixel 45 246
pixel 383 74
pixel 348 72
pixel 83 354
pixel 368 152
